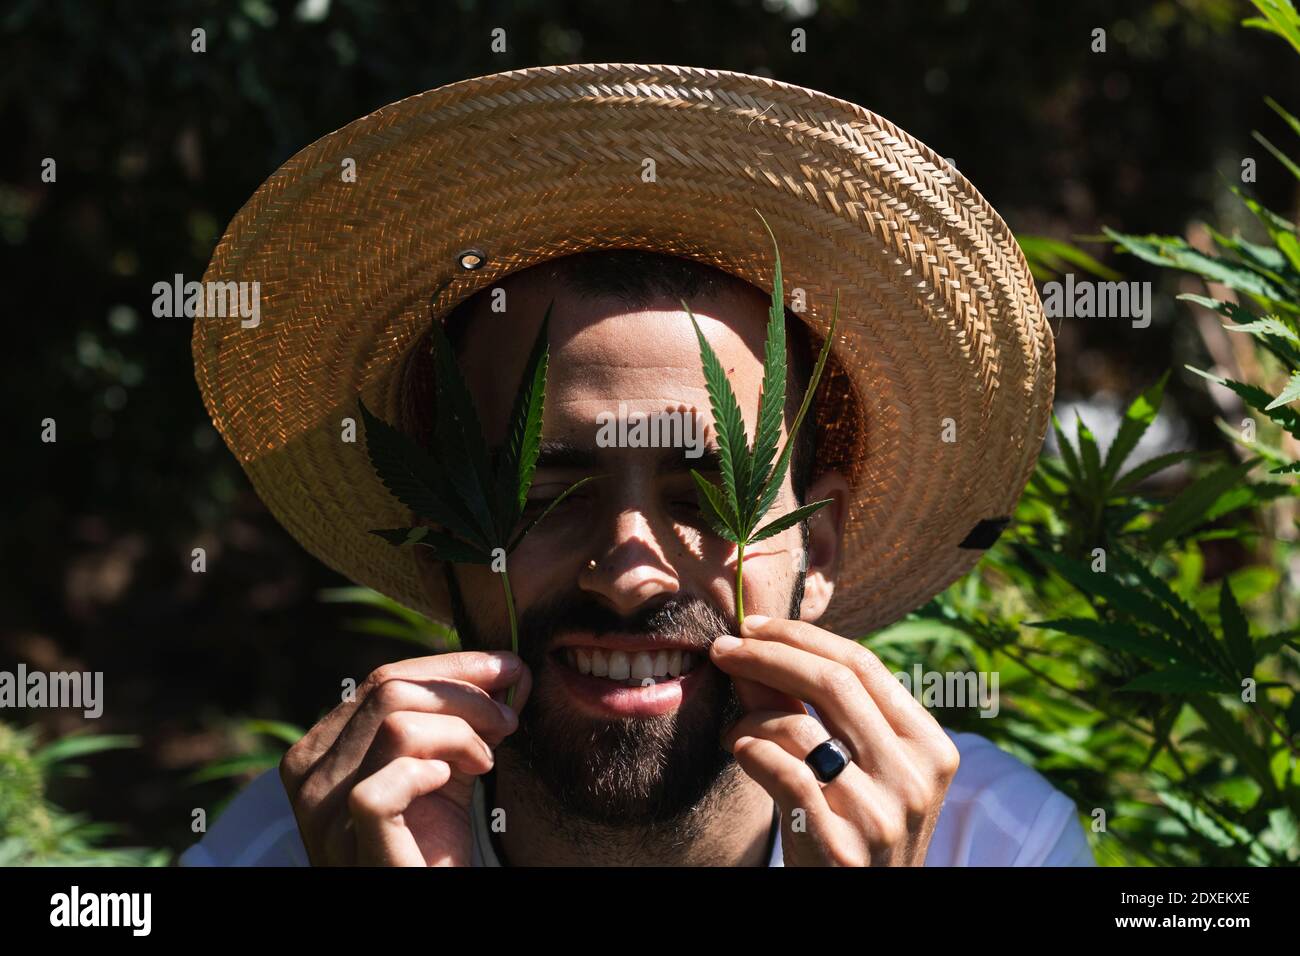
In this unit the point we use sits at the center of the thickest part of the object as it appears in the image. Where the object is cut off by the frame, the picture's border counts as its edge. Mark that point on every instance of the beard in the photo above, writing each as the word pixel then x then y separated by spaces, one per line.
pixel 632 773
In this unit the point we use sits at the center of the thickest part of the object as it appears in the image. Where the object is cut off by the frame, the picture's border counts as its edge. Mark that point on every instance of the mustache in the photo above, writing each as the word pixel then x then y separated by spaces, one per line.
pixel 688 619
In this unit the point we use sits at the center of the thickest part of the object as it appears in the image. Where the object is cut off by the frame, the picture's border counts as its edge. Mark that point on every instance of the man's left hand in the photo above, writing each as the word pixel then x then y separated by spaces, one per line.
pixel 882 808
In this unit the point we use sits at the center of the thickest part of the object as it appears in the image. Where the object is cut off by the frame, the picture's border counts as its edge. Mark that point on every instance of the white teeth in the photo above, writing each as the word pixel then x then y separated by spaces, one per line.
pixel 619 666
pixel 643 666
pixel 636 667
pixel 661 664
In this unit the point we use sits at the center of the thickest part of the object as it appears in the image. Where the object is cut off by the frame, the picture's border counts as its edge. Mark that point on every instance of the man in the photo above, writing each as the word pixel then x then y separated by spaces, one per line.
pixel 644 729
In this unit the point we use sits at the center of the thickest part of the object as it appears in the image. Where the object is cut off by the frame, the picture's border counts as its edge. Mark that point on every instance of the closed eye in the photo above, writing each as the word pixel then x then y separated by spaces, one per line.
pixel 539 499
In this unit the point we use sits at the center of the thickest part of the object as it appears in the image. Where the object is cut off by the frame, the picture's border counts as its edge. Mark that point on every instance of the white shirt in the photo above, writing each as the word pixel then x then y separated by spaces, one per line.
pixel 997 812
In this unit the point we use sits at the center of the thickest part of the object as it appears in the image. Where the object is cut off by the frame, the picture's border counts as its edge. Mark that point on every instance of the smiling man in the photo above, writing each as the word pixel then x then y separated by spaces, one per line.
pixel 644 729
pixel 622 589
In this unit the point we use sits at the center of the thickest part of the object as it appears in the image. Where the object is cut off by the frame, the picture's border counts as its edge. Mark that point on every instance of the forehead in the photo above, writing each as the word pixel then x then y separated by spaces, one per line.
pixel 603 351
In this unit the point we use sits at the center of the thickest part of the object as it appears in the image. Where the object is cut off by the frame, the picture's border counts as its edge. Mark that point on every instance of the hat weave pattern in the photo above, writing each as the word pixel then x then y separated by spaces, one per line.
pixel 942 344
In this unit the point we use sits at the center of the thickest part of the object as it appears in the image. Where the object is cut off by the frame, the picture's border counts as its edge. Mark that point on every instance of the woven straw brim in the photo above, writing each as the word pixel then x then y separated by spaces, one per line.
pixel 942 342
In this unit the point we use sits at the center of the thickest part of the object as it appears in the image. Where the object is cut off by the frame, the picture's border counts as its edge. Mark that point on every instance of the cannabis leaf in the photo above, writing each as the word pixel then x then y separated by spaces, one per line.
pixel 750 480
pixel 474 498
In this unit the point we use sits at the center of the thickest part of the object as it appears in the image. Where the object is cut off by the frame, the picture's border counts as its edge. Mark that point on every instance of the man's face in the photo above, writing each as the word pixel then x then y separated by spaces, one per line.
pixel 623 722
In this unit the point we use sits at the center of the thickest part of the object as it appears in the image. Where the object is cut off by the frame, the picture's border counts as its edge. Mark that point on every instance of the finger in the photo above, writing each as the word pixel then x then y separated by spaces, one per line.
pixel 754 696
pixel 493 720
pixel 799 735
pixel 918 762
pixel 523 686
pixel 841 702
pixel 488 671
pixel 903 712
pixel 791 783
pixel 321 794
pixel 377 803
pixel 788 780
pixel 407 733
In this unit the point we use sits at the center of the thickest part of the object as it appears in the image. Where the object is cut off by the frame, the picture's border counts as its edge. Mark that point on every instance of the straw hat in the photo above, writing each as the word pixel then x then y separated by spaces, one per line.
pixel 943 361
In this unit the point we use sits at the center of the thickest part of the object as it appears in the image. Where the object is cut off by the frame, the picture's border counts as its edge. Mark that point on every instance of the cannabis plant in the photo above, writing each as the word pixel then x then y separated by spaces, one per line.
pixel 750 481
pixel 36 832
pixel 473 499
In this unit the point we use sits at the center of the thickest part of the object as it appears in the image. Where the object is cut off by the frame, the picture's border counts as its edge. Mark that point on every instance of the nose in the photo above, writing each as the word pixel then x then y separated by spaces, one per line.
pixel 633 569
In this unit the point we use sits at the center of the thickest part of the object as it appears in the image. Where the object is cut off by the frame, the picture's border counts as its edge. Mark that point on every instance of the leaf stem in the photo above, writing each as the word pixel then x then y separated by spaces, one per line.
pixel 740 584
pixel 514 629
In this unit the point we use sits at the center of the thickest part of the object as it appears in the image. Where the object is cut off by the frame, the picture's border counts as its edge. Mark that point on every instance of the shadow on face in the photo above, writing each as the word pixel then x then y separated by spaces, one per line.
pixel 624 573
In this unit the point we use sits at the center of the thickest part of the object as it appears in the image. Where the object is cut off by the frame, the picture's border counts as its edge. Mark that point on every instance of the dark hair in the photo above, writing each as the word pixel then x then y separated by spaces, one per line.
pixel 636 277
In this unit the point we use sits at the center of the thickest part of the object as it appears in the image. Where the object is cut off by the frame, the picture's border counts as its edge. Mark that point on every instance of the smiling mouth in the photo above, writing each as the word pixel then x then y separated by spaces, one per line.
pixel 630 668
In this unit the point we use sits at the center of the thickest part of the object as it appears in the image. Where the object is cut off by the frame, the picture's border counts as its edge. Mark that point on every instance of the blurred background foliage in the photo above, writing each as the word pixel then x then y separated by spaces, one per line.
pixel 1117 164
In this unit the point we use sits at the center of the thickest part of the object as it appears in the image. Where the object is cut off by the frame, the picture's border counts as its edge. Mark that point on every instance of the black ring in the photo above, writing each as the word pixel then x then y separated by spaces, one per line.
pixel 828 759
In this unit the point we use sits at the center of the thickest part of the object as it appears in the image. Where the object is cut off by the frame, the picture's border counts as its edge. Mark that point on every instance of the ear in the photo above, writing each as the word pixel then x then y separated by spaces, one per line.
pixel 825 544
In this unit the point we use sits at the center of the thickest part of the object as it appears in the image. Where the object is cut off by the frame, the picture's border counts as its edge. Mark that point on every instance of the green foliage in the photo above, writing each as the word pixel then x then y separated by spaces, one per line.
pixel 1280 17
pixel 475 499
pixel 1048 258
pixel 750 479
pixel 35 832
pixel 1138 686
pixel 1272 280
pixel 261 757
pixel 261 743
pixel 1266 274
pixel 1172 664
pixel 1121 652
pixel 393 619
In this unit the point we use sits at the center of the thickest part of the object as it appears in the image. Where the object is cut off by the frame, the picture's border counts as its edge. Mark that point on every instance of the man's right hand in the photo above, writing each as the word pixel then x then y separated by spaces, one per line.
pixel 386 780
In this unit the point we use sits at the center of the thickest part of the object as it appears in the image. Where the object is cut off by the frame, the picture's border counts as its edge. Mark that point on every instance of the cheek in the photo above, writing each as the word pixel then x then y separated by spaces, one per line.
pixel 705 565
pixel 541 567
pixel 784 549
pixel 688 545
pixel 550 561
pixel 481 591
pixel 771 567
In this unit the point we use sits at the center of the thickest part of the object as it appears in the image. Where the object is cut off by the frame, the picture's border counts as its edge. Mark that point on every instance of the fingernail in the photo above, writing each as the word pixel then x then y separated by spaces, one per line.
pixel 755 620
pixel 507 664
pixel 726 642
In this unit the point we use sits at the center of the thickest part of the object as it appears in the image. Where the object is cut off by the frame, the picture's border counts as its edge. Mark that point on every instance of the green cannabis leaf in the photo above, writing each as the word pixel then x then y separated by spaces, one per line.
pixel 750 480
pixel 476 498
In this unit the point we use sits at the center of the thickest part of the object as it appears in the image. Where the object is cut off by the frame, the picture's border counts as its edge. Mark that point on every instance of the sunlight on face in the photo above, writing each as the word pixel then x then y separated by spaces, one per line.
pixel 625 570
pixel 641 521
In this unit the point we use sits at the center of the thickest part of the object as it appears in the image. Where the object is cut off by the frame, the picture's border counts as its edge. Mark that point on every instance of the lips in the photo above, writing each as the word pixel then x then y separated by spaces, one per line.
pixel 628 676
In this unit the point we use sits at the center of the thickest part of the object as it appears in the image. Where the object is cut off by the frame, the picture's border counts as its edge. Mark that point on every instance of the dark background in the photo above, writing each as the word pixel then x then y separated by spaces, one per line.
pixel 157 147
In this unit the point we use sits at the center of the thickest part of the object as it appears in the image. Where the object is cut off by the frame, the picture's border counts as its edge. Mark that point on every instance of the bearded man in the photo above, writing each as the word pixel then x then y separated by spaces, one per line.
pixel 645 726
